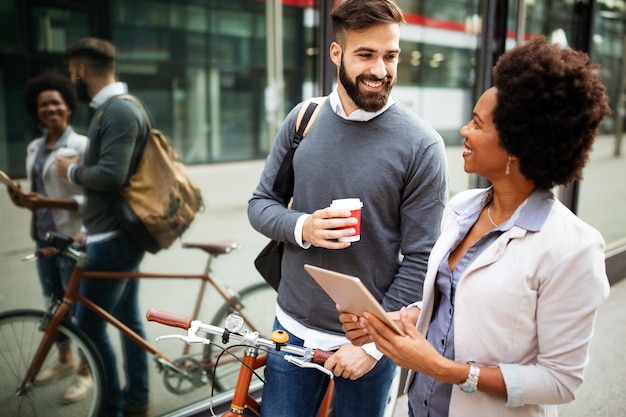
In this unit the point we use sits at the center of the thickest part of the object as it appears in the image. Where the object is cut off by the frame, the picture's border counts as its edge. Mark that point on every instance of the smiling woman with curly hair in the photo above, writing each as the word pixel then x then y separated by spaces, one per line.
pixel 51 101
pixel 515 278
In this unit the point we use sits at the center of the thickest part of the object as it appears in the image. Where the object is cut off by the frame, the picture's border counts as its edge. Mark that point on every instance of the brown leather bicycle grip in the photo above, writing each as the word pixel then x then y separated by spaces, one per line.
pixel 169 319
pixel 320 356
pixel 46 252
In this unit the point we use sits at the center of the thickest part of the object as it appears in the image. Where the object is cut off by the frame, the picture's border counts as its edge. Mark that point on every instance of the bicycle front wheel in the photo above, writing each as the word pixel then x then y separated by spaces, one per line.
pixel 20 334
pixel 258 303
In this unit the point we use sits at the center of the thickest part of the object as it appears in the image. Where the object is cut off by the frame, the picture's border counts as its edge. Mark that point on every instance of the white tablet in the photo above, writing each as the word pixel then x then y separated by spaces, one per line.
pixel 350 293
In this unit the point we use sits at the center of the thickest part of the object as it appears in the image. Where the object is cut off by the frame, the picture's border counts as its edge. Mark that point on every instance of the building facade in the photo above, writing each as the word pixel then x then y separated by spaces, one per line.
pixel 219 76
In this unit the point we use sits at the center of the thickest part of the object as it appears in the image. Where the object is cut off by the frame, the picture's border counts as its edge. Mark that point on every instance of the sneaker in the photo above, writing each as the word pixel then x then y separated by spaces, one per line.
pixel 131 410
pixel 56 371
pixel 78 389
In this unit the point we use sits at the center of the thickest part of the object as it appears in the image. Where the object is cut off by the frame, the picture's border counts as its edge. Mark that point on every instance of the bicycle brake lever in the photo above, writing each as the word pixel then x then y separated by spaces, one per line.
pixel 187 339
pixel 303 364
pixel 190 337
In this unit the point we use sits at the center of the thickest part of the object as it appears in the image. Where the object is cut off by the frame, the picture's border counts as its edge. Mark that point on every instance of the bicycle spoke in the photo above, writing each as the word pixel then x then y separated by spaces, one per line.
pixel 20 335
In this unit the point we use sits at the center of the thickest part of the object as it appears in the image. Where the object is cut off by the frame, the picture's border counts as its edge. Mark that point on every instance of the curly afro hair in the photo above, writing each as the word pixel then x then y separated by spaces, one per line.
pixel 550 103
pixel 49 82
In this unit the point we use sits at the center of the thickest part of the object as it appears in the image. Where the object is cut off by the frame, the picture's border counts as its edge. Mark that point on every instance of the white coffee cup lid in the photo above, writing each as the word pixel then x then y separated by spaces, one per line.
pixel 347 203
pixel 67 152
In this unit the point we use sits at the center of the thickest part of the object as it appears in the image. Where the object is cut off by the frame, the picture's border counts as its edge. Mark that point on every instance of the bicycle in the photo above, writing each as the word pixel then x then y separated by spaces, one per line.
pixel 243 403
pixel 27 337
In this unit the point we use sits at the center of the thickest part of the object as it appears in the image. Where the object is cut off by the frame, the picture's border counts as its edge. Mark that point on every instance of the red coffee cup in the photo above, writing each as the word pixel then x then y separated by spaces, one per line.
pixel 355 206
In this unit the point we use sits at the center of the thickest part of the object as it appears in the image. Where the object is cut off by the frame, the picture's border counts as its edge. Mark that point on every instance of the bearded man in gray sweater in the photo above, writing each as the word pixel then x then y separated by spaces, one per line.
pixel 362 145
pixel 117 134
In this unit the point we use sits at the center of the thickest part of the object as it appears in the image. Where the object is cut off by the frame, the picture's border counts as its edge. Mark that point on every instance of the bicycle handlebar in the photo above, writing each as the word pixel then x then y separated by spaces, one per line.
pixel 42 253
pixel 47 252
pixel 169 319
pixel 311 358
pixel 60 244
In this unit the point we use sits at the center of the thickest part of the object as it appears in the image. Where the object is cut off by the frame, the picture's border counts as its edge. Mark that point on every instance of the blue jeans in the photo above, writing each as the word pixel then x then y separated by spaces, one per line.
pixel 54 275
pixel 120 298
pixel 292 391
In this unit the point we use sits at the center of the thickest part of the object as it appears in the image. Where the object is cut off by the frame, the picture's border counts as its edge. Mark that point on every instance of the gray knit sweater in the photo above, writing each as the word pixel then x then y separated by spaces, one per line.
pixel 396 164
pixel 116 128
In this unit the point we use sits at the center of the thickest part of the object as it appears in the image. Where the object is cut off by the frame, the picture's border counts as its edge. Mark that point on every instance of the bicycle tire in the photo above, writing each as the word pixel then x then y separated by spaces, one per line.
pixel 257 301
pixel 20 334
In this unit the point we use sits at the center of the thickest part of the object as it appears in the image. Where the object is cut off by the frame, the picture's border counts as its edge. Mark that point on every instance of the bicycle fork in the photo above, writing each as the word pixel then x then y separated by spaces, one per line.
pixel 51 328
pixel 50 333
pixel 241 397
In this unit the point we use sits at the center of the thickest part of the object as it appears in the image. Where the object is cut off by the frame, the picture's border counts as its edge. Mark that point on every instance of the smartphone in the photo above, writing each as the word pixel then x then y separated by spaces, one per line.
pixel 8 181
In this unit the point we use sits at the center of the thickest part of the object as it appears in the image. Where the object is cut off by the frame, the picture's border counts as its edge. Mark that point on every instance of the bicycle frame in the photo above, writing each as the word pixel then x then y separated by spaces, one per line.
pixel 241 399
pixel 62 312
pixel 72 295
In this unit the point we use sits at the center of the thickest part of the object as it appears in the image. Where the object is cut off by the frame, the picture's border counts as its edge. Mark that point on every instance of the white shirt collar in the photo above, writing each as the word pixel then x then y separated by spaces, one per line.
pixel 358 115
pixel 107 92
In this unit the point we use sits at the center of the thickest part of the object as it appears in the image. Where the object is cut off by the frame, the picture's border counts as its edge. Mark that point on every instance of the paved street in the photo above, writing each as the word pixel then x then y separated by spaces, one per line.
pixel 226 189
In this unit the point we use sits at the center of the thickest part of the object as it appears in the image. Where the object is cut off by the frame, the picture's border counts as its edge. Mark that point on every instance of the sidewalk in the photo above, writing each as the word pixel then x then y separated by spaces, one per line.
pixel 226 189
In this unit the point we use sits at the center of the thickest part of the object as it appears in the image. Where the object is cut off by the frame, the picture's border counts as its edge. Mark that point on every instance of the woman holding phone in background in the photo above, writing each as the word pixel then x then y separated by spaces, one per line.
pixel 51 101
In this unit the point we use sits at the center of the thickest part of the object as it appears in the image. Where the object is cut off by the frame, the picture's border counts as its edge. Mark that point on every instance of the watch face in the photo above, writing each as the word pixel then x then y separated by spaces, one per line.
pixel 467 388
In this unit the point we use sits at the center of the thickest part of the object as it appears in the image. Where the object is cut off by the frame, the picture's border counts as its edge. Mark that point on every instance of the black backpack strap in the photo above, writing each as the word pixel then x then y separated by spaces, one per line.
pixel 285 177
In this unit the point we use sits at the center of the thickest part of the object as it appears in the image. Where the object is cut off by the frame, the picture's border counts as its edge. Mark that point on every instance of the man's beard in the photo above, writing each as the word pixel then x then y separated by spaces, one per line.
pixel 370 101
pixel 81 91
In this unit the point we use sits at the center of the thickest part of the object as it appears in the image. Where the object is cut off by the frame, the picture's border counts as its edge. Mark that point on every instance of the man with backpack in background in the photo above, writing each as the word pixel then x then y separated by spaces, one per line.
pixel 117 132
pixel 362 145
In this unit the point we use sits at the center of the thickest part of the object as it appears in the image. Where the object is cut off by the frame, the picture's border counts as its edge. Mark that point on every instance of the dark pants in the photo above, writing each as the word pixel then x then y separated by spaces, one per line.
pixel 120 298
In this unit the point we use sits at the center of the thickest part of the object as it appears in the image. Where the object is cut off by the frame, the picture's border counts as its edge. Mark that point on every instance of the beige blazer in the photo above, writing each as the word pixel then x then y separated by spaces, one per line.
pixel 527 304
pixel 66 221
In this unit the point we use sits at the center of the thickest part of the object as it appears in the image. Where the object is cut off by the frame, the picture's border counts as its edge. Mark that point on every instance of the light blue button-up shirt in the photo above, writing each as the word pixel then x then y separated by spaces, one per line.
pixel 430 398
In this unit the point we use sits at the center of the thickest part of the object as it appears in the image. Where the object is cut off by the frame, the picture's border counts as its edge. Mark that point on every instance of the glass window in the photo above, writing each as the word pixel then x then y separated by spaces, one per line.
pixel 608 51
pixel 436 70
pixel 431 65
pixel 202 71
pixel 450 10
pixel 11 35
pixel 54 29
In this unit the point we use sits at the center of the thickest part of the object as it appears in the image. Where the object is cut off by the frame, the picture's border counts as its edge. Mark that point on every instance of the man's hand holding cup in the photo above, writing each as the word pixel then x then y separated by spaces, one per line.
pixel 64 158
pixel 336 226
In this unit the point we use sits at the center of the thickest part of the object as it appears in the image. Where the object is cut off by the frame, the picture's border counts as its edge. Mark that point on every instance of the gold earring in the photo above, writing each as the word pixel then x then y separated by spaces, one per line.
pixel 507 170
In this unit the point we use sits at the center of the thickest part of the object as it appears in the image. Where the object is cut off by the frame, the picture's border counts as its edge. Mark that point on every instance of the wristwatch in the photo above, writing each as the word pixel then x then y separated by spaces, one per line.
pixel 471 383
